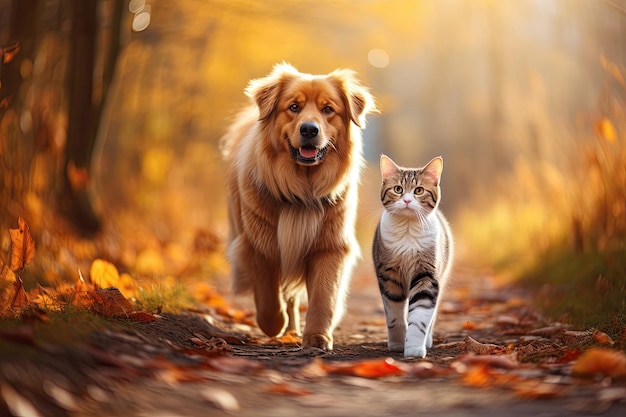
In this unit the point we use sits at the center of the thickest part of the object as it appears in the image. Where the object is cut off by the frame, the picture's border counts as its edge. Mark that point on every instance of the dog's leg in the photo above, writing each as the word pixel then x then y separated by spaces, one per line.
pixel 252 268
pixel 293 312
pixel 270 307
pixel 327 282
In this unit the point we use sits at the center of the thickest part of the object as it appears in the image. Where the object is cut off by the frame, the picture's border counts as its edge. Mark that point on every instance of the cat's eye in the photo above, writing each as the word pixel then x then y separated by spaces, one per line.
pixel 294 108
pixel 419 191
pixel 398 189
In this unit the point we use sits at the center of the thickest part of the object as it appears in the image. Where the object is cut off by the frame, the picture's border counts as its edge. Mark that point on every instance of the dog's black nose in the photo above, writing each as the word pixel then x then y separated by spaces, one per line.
pixel 309 130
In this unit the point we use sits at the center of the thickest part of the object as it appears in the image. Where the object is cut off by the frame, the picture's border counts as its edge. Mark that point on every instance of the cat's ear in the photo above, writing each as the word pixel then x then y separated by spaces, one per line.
pixel 387 167
pixel 433 169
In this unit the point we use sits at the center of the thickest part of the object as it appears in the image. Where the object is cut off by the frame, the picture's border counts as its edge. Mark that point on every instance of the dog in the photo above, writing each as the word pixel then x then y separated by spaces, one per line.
pixel 294 157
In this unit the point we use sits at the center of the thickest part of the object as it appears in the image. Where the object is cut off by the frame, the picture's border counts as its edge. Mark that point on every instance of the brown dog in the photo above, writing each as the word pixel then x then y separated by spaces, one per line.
pixel 294 159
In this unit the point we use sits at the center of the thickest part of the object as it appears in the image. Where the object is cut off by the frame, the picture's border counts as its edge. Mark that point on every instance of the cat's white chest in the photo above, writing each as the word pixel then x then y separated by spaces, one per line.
pixel 405 236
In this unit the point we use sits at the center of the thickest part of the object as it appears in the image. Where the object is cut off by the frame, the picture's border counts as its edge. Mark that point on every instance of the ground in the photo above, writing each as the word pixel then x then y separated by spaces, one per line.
pixel 493 355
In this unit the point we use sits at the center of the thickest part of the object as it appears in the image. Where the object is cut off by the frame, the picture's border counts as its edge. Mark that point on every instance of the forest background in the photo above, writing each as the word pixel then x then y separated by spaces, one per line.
pixel 111 113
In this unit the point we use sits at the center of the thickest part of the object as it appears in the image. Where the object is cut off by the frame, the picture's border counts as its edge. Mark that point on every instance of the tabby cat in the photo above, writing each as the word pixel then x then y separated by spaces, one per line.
pixel 412 253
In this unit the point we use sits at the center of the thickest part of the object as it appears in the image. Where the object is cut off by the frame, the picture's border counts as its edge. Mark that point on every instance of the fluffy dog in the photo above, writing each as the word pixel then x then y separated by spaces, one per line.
pixel 294 158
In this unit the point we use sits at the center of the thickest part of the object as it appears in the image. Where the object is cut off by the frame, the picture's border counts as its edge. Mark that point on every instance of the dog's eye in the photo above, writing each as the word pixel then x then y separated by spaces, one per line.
pixel 294 108
pixel 398 189
pixel 327 110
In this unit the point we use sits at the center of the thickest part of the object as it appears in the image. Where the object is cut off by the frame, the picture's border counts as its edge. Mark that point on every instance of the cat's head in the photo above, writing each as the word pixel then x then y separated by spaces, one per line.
pixel 410 191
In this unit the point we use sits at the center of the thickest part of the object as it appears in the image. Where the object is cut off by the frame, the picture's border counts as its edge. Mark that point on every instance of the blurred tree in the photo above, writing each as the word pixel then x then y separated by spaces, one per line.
pixel 55 90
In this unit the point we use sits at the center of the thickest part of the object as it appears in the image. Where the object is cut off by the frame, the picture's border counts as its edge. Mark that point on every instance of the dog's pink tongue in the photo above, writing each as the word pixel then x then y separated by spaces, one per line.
pixel 308 152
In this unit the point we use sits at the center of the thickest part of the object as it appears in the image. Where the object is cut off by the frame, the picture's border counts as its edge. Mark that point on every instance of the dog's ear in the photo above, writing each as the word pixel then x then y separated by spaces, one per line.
pixel 265 92
pixel 358 100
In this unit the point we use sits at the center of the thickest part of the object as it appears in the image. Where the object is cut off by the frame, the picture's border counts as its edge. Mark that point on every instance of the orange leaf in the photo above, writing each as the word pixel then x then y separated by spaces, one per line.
pixel 601 361
pixel 20 299
pixel 290 338
pixel 22 246
pixel 531 390
pixel 478 376
pixel 602 338
pixel 289 389
pixel 369 368
pixel 109 302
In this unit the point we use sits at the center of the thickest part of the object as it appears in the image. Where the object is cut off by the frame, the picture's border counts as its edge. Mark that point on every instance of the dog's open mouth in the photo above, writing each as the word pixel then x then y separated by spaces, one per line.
pixel 308 155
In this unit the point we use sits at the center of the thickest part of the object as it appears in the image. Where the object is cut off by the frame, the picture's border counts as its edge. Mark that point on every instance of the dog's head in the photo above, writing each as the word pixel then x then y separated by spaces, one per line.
pixel 308 117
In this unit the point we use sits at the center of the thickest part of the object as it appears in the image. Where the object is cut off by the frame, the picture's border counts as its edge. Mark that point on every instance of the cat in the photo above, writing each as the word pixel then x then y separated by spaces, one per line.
pixel 412 253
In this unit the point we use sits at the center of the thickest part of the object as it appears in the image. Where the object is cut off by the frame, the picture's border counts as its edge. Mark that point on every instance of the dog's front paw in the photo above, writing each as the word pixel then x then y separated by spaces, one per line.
pixel 317 340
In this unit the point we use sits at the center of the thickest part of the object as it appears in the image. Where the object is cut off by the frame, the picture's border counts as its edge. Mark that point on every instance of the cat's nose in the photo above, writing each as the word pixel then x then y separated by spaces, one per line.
pixel 407 201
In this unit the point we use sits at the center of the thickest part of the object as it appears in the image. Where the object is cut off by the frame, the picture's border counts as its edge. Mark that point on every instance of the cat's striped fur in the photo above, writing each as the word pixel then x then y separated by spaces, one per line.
pixel 412 253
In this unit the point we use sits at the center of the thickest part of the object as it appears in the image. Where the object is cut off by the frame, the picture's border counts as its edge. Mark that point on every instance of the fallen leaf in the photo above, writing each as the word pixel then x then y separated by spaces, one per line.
pixel 20 299
pixel 475 346
pixel 531 390
pixel 107 302
pixel 105 274
pixel 477 376
pixel 569 355
pixel 601 361
pixel 369 368
pixel 22 246
pixel 290 338
pixel 291 390
pixel 496 361
pixel 602 338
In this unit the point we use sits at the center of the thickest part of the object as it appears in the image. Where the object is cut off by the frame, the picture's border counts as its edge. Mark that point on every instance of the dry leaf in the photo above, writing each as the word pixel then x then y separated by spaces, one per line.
pixel 290 338
pixel 369 368
pixel 107 302
pixel 530 390
pixel 477 376
pixel 20 299
pixel 474 346
pixel 494 361
pixel 602 338
pixel 601 361
pixel 22 246
pixel 291 390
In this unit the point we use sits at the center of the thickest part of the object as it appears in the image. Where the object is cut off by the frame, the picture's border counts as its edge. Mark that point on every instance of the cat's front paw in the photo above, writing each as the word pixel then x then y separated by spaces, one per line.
pixel 415 351
pixel 429 341
pixel 316 340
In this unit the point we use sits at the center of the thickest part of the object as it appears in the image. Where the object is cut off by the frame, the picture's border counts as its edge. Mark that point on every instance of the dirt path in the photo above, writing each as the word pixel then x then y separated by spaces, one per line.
pixel 196 364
